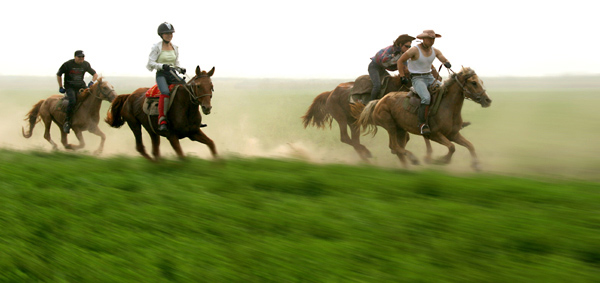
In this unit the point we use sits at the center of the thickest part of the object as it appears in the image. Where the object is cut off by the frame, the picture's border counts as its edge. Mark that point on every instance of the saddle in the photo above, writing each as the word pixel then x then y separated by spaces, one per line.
pixel 412 100
pixel 363 86
pixel 150 106
pixel 63 102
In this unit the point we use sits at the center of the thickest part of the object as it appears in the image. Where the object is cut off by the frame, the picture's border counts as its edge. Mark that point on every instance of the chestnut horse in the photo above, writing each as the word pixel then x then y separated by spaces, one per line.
pixel 85 117
pixel 183 116
pixel 445 124
pixel 335 104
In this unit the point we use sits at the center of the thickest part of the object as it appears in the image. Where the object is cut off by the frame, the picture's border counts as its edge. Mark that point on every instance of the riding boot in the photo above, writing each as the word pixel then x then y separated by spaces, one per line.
pixel 422 113
pixel 69 114
pixel 162 118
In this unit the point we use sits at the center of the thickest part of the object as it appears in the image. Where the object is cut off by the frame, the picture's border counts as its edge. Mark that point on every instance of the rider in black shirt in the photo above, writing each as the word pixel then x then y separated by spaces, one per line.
pixel 74 70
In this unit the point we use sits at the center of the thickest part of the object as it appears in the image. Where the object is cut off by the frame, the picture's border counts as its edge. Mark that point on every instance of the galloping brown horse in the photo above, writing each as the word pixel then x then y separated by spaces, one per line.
pixel 335 104
pixel 184 116
pixel 85 118
pixel 445 124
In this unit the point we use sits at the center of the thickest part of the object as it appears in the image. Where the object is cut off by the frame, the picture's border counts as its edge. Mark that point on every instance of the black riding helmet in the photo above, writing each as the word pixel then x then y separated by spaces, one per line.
pixel 165 28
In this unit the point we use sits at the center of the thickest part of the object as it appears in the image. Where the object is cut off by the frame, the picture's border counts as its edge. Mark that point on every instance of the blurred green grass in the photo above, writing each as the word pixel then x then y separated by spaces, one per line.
pixel 74 218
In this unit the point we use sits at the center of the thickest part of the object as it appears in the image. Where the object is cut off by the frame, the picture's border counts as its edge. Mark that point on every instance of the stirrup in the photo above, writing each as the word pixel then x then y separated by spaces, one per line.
pixel 425 129
pixel 162 127
pixel 67 127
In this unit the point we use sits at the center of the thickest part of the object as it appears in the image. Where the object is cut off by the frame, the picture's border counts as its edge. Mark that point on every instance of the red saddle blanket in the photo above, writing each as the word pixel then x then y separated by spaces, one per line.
pixel 155 92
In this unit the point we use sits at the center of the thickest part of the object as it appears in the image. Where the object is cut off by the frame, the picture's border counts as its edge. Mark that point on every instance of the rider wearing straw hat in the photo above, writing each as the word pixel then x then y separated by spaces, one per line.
pixel 164 58
pixel 420 59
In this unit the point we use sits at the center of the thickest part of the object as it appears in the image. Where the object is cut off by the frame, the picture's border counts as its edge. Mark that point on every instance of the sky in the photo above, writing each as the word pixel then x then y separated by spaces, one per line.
pixel 299 39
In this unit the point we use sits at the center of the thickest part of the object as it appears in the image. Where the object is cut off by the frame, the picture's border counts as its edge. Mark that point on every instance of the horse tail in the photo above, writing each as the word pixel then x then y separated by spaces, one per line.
pixel 365 120
pixel 316 114
pixel 113 117
pixel 33 117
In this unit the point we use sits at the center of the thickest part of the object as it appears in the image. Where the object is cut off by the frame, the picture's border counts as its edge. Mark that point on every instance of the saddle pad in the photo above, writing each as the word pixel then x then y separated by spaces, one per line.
pixel 62 103
pixel 150 106
pixel 363 86
pixel 412 101
pixel 155 92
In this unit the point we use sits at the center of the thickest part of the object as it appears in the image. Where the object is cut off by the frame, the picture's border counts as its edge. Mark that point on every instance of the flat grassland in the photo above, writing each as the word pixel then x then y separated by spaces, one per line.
pixel 288 204
pixel 535 126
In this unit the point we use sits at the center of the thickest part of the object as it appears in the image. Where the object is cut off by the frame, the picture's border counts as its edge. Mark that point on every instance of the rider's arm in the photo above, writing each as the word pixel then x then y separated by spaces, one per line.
pixel 440 56
pixel 59 78
pixel 407 55
pixel 154 53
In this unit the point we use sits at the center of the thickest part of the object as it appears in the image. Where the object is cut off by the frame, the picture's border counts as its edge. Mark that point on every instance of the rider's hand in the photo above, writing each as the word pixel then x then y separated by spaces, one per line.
pixel 62 90
pixel 166 67
pixel 90 84
pixel 447 65
pixel 404 80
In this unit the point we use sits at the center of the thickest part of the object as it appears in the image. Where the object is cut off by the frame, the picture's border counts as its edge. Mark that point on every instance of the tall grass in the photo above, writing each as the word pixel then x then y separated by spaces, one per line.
pixel 75 218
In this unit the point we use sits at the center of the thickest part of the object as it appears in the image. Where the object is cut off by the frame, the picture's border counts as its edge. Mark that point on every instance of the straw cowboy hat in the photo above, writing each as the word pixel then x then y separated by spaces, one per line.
pixel 403 38
pixel 428 33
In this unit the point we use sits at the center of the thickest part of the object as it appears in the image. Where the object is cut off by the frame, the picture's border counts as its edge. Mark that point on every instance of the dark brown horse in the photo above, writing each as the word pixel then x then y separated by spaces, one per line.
pixel 183 116
pixel 335 105
pixel 85 118
pixel 445 124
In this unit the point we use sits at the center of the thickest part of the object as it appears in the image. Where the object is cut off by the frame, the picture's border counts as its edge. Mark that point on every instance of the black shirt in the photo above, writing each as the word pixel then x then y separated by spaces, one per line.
pixel 74 73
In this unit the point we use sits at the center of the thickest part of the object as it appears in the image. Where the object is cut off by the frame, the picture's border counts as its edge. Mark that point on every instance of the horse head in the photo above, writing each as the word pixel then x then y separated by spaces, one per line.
pixel 103 90
pixel 473 87
pixel 203 88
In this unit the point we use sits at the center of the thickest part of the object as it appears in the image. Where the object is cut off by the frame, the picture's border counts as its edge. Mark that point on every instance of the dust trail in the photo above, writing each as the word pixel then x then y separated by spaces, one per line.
pixel 527 131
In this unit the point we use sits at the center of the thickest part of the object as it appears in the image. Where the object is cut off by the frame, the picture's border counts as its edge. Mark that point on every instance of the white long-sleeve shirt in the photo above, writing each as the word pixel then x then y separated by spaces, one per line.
pixel 155 52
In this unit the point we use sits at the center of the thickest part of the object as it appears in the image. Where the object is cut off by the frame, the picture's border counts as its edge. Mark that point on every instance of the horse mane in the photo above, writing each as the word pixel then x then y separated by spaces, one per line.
pixel 86 92
pixel 464 72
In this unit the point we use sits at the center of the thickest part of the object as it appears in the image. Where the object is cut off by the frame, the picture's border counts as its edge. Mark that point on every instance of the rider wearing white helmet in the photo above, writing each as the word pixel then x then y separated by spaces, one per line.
pixel 164 58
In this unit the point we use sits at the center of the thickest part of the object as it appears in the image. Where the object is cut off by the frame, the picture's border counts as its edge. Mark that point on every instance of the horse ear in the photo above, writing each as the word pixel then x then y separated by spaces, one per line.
pixel 198 70
pixel 211 72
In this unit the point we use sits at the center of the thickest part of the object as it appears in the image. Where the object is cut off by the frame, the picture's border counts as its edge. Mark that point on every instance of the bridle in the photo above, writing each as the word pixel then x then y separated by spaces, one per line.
pixel 104 95
pixel 194 99
pixel 477 96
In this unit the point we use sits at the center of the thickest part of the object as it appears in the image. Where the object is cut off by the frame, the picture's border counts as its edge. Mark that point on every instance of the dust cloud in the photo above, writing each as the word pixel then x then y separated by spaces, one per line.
pixel 529 130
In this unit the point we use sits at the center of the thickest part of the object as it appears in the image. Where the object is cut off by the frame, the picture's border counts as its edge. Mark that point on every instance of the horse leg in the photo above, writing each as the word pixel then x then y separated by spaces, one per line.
pixel 47 125
pixel 174 140
pixel 64 140
pixel 403 138
pixel 439 138
pixel 201 137
pixel 79 135
pixel 362 150
pixel 429 150
pixel 396 147
pixel 98 132
pixel 460 139
pixel 155 138
pixel 136 128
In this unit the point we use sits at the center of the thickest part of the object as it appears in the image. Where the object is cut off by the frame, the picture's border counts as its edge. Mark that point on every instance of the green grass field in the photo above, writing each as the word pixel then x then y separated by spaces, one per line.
pixel 287 204
pixel 75 218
